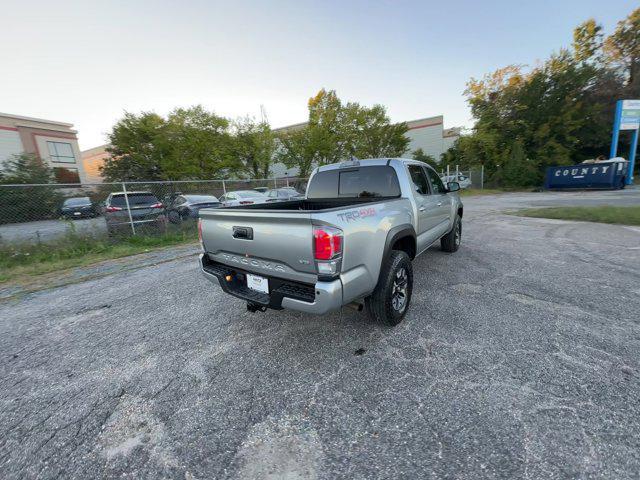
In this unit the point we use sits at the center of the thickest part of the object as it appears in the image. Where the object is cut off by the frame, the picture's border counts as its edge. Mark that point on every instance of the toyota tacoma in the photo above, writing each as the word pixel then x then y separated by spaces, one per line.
pixel 349 242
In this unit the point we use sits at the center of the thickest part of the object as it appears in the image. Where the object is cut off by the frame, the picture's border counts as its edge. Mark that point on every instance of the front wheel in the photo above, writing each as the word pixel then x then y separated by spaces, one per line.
pixel 451 241
pixel 390 300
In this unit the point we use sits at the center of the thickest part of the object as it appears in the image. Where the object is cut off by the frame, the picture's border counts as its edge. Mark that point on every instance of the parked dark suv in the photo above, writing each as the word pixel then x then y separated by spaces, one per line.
pixel 147 212
pixel 187 206
pixel 78 207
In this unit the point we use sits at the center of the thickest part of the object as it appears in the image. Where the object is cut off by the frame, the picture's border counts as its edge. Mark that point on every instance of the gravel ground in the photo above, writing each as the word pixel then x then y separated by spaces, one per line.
pixel 519 358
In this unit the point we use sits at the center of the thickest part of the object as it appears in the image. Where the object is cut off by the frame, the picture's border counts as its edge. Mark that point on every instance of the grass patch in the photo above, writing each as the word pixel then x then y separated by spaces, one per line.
pixel 600 214
pixel 28 260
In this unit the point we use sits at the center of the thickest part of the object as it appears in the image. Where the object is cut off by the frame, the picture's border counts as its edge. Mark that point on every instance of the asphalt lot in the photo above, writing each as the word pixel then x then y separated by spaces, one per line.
pixel 47 230
pixel 519 358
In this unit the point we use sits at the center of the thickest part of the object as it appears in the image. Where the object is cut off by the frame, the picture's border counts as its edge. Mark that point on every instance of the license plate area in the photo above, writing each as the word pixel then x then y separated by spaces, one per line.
pixel 257 283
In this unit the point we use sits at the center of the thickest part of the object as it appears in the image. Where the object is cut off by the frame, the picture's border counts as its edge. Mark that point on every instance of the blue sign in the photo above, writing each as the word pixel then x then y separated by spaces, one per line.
pixel 627 118
pixel 630 116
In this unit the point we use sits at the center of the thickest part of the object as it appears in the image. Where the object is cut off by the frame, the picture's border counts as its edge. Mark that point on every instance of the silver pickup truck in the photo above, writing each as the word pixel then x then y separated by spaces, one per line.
pixel 349 242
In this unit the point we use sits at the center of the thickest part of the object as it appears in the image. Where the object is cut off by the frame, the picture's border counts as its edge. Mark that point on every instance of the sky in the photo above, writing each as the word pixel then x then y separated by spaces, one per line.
pixel 88 62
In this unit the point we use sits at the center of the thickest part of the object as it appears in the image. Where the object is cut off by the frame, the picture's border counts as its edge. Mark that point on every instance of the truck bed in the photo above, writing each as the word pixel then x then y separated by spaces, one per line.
pixel 307 205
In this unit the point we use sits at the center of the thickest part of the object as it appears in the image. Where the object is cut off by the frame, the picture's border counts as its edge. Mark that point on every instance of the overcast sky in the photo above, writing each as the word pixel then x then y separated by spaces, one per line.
pixel 86 62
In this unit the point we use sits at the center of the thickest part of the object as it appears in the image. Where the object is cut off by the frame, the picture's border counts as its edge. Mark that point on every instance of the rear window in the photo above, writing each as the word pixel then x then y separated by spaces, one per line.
pixel 250 194
pixel 135 199
pixel 201 198
pixel 363 182
pixel 74 202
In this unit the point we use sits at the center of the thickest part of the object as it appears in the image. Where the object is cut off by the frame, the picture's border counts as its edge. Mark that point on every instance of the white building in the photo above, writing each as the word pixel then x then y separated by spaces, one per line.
pixel 428 134
pixel 56 143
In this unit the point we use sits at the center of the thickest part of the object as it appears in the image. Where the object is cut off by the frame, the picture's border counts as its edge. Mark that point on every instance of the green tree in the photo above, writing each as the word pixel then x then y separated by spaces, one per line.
pixel 301 148
pixel 587 40
pixel 191 143
pixel 199 145
pixel 137 146
pixel 623 48
pixel 556 113
pixel 28 203
pixel 25 168
pixel 421 156
pixel 336 131
pixel 369 132
pixel 254 145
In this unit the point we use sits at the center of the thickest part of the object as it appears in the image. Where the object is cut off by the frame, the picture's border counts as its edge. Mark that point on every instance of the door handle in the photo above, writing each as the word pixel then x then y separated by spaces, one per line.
pixel 422 208
pixel 439 204
pixel 245 233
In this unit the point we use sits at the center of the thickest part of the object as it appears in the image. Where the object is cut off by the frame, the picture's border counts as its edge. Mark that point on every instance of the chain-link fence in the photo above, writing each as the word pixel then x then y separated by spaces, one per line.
pixel 468 179
pixel 50 212
pixel 45 213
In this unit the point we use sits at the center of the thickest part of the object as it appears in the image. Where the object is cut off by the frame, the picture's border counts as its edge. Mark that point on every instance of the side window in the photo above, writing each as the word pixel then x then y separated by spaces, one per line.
pixel 282 194
pixel 436 184
pixel 231 196
pixel 223 198
pixel 272 193
pixel 418 179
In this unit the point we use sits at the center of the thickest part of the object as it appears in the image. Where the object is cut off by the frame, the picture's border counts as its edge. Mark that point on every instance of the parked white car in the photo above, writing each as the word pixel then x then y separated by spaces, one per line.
pixel 242 197
pixel 463 180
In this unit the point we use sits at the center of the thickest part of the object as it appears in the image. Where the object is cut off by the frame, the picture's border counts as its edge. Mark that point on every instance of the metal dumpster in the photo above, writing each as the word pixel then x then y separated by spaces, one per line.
pixel 606 174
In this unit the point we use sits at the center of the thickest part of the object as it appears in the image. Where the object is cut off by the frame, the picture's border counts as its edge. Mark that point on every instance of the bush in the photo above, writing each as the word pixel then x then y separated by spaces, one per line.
pixel 27 203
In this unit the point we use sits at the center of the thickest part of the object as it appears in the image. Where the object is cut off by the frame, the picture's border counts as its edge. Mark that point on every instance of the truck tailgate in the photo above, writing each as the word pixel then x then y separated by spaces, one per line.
pixel 265 242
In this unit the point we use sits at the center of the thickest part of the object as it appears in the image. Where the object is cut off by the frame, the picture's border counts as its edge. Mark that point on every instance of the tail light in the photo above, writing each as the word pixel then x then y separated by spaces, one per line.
pixel 327 251
pixel 246 202
pixel 111 209
pixel 157 205
pixel 327 242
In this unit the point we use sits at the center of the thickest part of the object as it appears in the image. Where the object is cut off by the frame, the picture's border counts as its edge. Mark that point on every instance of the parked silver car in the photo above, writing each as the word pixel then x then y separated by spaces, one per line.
pixel 242 197
pixel 462 180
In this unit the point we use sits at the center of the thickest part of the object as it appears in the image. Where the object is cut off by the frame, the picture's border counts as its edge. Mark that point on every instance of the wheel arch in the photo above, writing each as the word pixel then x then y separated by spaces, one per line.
pixel 401 237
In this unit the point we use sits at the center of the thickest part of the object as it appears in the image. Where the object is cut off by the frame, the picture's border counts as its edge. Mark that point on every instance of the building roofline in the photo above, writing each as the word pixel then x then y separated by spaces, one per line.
pixel 34 119
pixel 91 150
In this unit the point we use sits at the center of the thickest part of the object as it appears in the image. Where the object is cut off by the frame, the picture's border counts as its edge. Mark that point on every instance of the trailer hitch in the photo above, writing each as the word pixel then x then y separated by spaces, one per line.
pixel 255 307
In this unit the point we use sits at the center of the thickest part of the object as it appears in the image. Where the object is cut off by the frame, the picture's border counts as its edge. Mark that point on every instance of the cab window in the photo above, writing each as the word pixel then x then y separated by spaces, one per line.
pixel 419 180
pixel 436 184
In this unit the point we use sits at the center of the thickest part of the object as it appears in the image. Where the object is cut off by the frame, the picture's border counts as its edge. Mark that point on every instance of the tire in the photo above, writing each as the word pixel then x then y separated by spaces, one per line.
pixel 174 217
pixel 451 241
pixel 389 302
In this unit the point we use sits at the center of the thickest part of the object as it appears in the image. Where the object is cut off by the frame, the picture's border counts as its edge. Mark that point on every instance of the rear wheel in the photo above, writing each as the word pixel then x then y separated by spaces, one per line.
pixel 451 241
pixel 390 300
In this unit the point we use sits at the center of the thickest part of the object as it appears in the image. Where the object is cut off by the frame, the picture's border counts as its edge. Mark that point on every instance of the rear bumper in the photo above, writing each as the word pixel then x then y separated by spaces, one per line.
pixel 318 299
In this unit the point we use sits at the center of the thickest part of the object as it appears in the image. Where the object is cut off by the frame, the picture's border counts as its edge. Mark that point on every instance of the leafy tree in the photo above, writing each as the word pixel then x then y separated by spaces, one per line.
pixel 336 131
pixel 587 40
pixel 25 168
pixel 191 143
pixel 301 148
pixel 254 145
pixel 199 145
pixel 137 146
pixel 370 134
pixel 26 204
pixel 421 156
pixel 556 113
pixel 623 47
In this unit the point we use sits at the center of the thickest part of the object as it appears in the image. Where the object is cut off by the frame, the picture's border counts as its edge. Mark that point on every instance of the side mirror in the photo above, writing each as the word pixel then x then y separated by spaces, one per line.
pixel 453 186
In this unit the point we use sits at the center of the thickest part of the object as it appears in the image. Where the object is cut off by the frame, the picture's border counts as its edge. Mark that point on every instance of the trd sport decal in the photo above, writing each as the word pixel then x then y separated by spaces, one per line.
pixel 353 215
